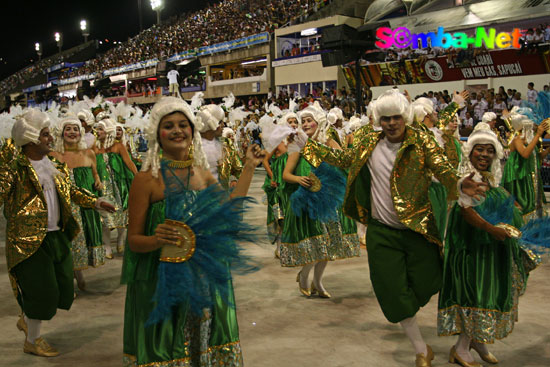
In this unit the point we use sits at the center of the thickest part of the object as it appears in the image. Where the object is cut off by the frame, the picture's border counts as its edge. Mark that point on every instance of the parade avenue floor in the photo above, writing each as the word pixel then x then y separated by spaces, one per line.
pixel 278 326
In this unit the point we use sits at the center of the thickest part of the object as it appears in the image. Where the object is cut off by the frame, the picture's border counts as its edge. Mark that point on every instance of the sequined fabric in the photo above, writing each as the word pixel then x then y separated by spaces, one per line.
pixel 331 245
pixel 417 160
pixel 25 206
pixel 118 219
pixel 78 244
pixel 197 349
pixel 451 149
pixel 447 114
pixel 482 325
pixel 333 134
pixel 230 165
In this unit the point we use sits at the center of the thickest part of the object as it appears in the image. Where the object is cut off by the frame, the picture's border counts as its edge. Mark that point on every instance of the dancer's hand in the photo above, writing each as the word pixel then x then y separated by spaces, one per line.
pixel 473 188
pixel 167 235
pixel 104 205
pixel 542 128
pixel 273 184
pixel 304 181
pixel 98 186
pixel 255 155
pixel 500 234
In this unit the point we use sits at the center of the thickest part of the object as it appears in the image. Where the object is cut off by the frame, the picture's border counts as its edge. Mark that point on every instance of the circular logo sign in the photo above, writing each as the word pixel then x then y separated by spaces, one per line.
pixel 433 70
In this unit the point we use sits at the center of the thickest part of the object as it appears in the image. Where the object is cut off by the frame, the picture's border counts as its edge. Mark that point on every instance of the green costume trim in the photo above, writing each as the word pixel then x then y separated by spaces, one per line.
pixel 185 339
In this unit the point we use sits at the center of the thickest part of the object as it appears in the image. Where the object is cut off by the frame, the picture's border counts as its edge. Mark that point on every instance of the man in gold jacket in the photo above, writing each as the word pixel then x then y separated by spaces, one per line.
pixel 387 189
pixel 36 194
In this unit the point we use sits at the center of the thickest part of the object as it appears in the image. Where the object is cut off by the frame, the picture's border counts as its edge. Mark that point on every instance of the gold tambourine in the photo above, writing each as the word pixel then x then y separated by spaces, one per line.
pixel 186 244
pixel 512 231
pixel 315 182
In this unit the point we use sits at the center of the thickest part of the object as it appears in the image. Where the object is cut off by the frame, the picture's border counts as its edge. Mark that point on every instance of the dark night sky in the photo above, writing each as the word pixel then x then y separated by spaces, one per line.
pixel 23 23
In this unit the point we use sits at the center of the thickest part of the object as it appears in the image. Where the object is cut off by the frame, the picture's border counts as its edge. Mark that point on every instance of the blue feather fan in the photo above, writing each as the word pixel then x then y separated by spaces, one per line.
pixel 535 234
pixel 496 212
pixel 220 231
pixel 321 205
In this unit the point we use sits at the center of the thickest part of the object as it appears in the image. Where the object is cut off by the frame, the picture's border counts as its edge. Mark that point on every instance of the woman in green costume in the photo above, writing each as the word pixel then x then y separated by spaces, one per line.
pixel 116 171
pixel 428 120
pixel 521 175
pixel 483 270
pixel 306 242
pixel 274 185
pixel 123 136
pixel 185 339
pixel 70 148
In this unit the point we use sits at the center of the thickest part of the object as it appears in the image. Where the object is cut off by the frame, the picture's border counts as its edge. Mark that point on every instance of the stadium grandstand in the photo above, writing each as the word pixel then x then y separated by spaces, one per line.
pixel 261 50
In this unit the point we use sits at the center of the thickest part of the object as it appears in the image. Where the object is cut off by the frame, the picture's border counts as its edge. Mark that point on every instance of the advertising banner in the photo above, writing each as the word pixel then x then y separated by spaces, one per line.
pixel 453 67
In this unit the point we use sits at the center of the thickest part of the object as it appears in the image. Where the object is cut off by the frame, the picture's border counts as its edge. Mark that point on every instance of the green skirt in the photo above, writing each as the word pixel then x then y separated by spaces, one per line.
pixel 111 193
pixel 306 241
pixel 520 179
pixel 482 280
pixel 184 340
pixel 89 221
pixel 276 198
pixel 438 199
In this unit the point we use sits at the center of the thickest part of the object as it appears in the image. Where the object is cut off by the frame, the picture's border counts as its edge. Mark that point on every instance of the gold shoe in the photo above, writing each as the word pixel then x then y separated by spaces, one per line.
pixel 110 256
pixel 489 357
pixel 22 325
pixel 40 348
pixel 425 361
pixel 277 254
pixel 322 294
pixel 305 291
pixel 455 358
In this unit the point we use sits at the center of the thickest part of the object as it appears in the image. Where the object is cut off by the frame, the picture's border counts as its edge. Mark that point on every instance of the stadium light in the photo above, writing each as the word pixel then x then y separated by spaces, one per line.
pixel 59 40
pixel 38 48
pixel 157 5
pixel 85 30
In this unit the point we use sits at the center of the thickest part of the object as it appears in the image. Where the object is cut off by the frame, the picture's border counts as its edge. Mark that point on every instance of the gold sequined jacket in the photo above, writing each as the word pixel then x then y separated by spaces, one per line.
pixel 25 207
pixel 231 165
pixel 418 158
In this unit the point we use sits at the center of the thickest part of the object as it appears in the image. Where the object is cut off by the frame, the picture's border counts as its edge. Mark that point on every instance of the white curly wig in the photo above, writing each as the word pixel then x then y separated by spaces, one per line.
pixel 165 106
pixel 110 131
pixel 391 103
pixel 320 116
pixel 482 134
pixel 69 119
pixel 27 126
pixel 422 107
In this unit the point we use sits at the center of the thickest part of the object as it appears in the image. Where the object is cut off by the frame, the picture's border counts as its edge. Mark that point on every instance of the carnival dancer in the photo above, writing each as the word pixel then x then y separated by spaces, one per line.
pixel 336 132
pixel 429 121
pixel 307 242
pixel 166 185
pixel 70 148
pixel 490 118
pixel 390 173
pixel 521 175
pixel 355 123
pixel 124 137
pixel 36 193
pixel 448 123
pixel 87 121
pixel 274 164
pixel 222 156
pixel 116 171
pixel 483 271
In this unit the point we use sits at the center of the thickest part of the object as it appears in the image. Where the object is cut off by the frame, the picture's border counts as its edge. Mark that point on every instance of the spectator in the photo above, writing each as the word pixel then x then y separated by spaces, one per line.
pixel 468 121
pixel 531 93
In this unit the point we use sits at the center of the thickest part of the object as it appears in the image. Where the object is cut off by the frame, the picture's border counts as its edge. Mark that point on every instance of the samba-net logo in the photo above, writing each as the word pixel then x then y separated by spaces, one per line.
pixel 402 38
